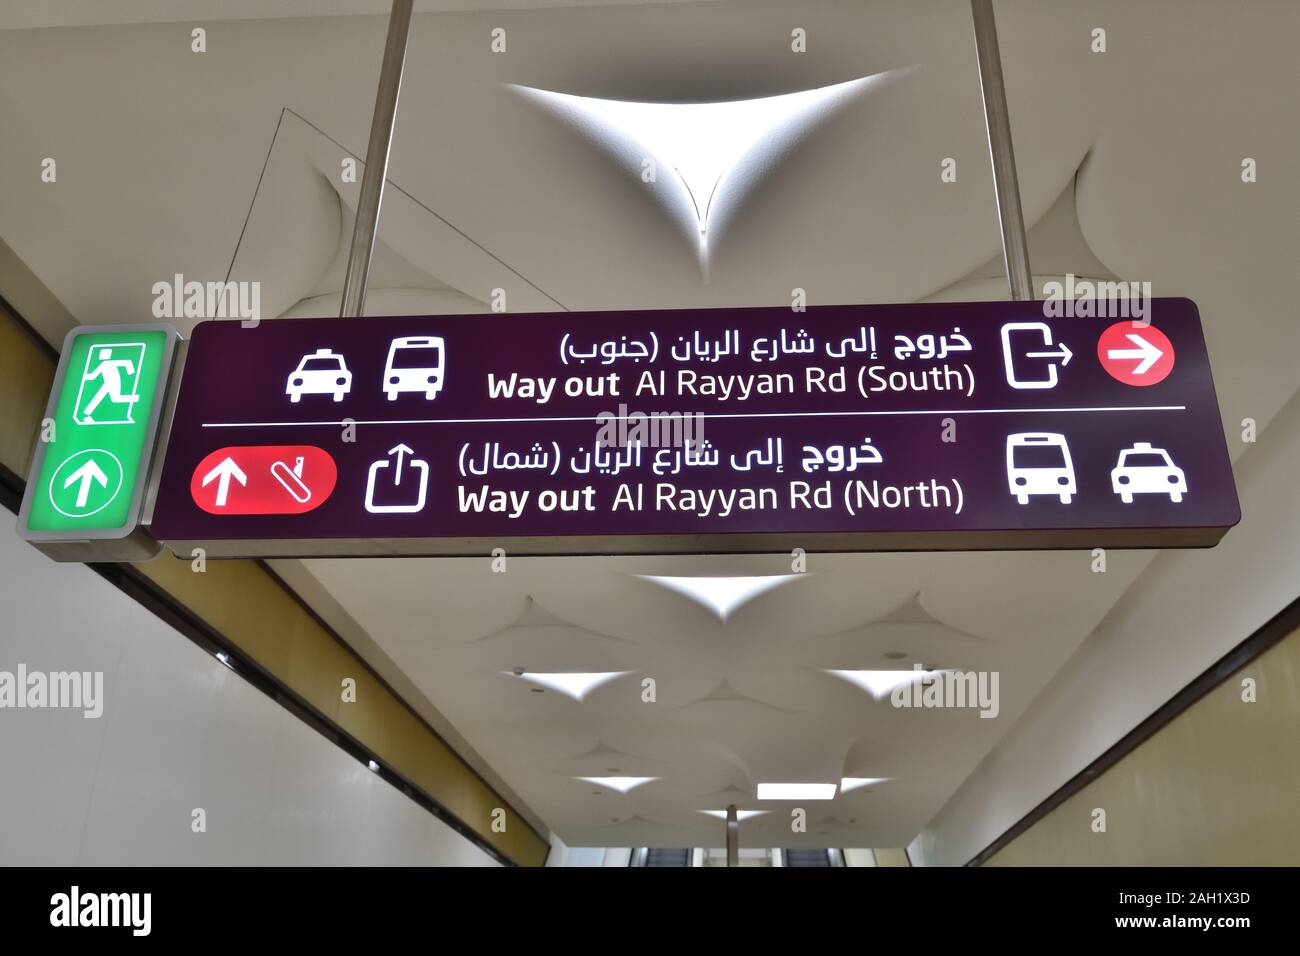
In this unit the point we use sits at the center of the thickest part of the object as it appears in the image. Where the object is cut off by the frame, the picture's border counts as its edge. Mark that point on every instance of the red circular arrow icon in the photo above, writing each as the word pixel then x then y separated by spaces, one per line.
pixel 263 480
pixel 1136 354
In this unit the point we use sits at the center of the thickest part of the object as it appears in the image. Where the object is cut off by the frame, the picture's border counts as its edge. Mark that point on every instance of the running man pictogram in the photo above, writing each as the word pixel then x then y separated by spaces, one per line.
pixel 117 369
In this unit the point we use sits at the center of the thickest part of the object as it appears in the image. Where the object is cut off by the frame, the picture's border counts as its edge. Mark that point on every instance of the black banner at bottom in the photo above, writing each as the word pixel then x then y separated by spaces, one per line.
pixel 375 905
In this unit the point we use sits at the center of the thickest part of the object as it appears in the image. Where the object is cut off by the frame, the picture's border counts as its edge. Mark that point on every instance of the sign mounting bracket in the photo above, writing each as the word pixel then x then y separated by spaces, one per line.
pixel 997 121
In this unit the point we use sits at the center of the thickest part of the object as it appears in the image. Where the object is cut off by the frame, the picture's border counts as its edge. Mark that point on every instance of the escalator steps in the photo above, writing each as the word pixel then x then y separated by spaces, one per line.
pixel 807 858
pixel 656 857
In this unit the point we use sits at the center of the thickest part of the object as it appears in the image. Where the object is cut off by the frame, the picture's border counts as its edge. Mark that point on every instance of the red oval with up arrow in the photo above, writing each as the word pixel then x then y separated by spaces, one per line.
pixel 263 480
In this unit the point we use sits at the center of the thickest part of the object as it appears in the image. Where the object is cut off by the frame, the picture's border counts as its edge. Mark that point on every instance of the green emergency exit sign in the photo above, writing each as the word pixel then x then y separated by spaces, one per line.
pixel 87 483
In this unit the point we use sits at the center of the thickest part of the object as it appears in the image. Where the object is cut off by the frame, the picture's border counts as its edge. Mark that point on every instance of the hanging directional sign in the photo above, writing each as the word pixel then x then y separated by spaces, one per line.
pixel 910 427
pixel 83 498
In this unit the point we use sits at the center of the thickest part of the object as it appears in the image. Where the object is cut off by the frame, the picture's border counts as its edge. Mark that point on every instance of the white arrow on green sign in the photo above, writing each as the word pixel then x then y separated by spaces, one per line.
pixel 91 466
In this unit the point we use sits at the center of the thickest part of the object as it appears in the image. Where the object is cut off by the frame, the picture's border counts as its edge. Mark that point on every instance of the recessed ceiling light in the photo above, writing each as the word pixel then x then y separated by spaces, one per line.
pixel 621 784
pixel 880 684
pixel 575 685
pixel 721 595
pixel 857 783
pixel 740 814
pixel 796 791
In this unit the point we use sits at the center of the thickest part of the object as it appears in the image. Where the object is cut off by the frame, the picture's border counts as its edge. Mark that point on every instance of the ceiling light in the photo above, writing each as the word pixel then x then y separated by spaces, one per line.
pixel 701 142
pixel 740 814
pixel 880 684
pixel 720 595
pixel 373 766
pixel 621 784
pixel 575 685
pixel 857 783
pixel 796 791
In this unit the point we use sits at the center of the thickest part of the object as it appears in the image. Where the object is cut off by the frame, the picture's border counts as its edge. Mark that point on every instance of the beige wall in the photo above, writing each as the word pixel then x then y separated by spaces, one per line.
pixel 1219 785
pixel 177 731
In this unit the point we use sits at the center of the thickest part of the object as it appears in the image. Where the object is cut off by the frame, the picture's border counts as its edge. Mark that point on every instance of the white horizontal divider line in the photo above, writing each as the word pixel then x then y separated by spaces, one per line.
pixel 612 417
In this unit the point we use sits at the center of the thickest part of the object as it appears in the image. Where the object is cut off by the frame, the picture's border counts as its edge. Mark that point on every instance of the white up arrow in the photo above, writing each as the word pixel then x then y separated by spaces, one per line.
pixel 224 472
pixel 401 451
pixel 1147 353
pixel 86 474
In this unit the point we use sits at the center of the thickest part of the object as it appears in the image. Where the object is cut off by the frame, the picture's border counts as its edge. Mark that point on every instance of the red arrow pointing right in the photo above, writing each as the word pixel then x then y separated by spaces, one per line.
pixel 1136 354
pixel 1146 353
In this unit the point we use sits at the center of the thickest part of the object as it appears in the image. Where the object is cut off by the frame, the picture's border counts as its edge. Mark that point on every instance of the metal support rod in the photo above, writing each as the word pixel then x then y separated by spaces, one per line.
pixel 1015 249
pixel 733 836
pixel 381 139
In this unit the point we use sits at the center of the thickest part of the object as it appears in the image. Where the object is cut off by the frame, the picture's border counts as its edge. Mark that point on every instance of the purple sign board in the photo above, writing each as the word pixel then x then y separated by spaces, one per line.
pixel 840 428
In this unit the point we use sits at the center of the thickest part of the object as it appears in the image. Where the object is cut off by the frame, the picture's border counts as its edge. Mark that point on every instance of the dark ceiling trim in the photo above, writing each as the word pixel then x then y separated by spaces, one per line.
pixel 49 351
pixel 1284 623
